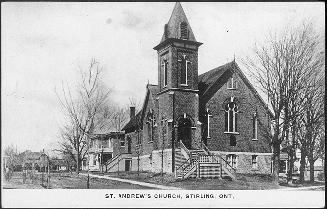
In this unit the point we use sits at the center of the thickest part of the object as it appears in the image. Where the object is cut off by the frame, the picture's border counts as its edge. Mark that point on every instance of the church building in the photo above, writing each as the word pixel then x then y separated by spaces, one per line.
pixel 209 125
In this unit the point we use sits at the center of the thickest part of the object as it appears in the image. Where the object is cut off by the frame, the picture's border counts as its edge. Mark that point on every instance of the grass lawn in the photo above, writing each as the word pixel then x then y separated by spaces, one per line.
pixel 74 181
pixel 243 182
pixel 66 181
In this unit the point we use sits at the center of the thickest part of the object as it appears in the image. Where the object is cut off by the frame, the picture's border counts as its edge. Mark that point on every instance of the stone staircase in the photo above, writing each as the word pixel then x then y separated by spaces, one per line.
pixel 112 165
pixel 201 163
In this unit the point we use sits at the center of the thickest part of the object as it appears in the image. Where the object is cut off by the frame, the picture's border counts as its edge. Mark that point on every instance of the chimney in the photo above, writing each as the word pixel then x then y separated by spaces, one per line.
pixel 166 31
pixel 132 112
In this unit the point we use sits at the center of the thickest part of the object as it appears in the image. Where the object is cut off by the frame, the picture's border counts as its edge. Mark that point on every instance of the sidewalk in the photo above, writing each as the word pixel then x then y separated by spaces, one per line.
pixel 156 186
pixel 302 188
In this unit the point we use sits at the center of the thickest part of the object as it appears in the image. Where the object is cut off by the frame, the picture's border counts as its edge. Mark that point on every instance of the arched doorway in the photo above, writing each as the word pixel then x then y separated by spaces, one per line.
pixel 184 132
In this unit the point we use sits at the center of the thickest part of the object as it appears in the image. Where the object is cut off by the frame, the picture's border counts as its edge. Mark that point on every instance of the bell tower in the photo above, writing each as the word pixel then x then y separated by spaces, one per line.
pixel 178 80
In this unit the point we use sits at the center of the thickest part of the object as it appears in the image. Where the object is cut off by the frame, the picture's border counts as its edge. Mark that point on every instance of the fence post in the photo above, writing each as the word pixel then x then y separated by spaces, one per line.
pixel 48 186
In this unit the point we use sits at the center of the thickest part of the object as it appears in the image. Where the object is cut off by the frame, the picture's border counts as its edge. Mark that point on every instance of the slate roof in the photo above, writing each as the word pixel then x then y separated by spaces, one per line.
pixel 211 81
pixel 172 27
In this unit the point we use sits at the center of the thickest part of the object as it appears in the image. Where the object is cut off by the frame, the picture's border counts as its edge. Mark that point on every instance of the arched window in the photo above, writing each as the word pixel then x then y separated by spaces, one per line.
pixel 150 125
pixel 183 65
pixel 183 30
pixel 165 72
pixel 231 111
pixel 255 127
pixel 232 83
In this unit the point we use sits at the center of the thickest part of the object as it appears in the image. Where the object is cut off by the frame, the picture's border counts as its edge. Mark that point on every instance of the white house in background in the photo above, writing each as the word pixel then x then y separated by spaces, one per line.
pixel 318 165
pixel 100 151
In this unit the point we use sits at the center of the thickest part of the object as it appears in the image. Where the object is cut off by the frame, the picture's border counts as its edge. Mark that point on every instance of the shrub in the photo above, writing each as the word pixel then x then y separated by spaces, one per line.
pixel 321 176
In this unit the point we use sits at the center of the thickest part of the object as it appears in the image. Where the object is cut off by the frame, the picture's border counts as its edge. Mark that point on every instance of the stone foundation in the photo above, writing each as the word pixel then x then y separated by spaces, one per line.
pixel 153 162
pixel 244 162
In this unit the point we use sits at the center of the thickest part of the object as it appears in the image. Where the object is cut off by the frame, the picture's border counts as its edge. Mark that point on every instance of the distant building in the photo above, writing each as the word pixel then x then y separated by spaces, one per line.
pixel 284 166
pixel 33 160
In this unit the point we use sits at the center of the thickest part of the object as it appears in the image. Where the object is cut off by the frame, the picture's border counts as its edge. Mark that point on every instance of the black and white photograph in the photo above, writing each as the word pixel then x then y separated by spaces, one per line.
pixel 163 104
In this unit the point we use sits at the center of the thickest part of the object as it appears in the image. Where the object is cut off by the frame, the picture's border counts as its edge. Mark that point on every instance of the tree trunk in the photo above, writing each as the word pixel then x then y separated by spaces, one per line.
pixel 276 157
pixel 77 163
pixel 302 164
pixel 312 162
pixel 291 166
pixel 276 154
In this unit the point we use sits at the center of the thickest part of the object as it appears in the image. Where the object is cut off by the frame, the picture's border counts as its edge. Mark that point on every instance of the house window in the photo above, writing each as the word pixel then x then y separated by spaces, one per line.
pixel 231 84
pixel 232 160
pixel 165 71
pixel 94 160
pixel 255 161
pixel 255 127
pixel 183 30
pixel 231 112
pixel 122 142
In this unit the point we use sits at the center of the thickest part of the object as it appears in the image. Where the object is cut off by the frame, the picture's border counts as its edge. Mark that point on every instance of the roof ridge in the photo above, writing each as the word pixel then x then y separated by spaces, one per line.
pixel 228 63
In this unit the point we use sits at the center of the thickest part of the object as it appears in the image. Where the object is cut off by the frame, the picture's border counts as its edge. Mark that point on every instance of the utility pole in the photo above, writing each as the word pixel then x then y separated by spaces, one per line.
pixel 173 135
pixel 48 186
pixel 163 144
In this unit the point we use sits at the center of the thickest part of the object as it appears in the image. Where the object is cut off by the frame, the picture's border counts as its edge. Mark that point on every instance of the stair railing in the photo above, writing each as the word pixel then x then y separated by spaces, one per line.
pixel 184 148
pixel 112 161
pixel 182 167
pixel 220 159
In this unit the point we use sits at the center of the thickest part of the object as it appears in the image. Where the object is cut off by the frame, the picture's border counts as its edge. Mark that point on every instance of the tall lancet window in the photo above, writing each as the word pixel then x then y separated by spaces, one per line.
pixel 255 127
pixel 165 71
pixel 150 125
pixel 183 30
pixel 208 122
pixel 183 68
pixel 231 112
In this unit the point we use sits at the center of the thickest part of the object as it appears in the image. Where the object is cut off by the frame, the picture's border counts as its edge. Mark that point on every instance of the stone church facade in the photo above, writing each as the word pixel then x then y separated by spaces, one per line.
pixel 189 122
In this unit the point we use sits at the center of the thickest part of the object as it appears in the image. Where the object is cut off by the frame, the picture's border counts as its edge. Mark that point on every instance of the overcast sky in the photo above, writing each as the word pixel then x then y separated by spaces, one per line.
pixel 43 44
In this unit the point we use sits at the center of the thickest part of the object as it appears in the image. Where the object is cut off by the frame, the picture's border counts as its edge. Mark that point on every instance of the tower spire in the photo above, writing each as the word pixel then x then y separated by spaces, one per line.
pixel 177 21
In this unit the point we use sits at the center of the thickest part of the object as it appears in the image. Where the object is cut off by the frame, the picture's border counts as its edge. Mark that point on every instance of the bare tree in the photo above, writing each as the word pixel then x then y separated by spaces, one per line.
pixel 12 156
pixel 312 123
pixel 280 68
pixel 85 111
pixel 119 118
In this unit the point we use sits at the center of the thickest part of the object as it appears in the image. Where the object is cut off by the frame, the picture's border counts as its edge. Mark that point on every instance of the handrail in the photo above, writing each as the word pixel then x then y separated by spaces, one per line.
pixel 182 146
pixel 192 164
pixel 212 154
pixel 113 159
pixel 186 162
pixel 206 149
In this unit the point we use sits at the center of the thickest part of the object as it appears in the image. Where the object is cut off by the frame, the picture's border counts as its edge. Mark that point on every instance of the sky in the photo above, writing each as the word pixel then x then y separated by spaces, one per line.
pixel 44 43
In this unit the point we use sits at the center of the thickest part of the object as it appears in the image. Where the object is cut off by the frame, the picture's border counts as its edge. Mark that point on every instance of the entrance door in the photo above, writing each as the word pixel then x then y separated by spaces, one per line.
pixel 184 132
pixel 128 165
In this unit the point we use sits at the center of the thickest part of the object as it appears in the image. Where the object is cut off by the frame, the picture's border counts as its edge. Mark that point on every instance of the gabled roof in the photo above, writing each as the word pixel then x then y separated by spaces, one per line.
pixel 136 122
pixel 211 81
pixel 133 123
pixel 172 27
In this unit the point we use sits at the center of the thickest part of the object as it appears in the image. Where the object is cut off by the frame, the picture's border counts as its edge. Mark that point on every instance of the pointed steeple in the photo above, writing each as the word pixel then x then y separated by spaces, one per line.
pixel 177 21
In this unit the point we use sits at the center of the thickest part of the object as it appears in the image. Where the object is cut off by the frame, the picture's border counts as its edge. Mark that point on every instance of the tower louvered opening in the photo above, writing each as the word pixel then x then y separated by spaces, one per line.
pixel 183 30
